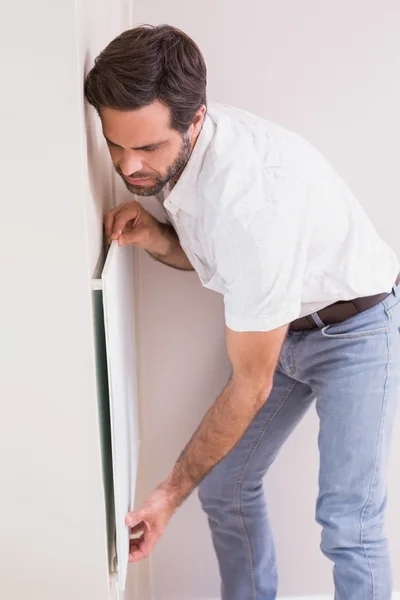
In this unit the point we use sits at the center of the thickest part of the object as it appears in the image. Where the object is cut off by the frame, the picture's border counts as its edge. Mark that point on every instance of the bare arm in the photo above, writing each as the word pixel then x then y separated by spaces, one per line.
pixel 168 250
pixel 130 223
pixel 254 357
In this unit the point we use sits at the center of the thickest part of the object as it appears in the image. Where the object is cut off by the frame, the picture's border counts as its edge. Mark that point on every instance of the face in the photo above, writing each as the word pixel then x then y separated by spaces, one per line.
pixel 145 151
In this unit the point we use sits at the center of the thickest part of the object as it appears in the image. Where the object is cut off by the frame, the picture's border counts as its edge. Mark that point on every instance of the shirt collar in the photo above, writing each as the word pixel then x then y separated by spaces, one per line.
pixel 183 195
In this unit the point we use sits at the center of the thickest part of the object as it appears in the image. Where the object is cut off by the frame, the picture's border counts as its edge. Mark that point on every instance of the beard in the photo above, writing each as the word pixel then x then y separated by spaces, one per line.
pixel 160 180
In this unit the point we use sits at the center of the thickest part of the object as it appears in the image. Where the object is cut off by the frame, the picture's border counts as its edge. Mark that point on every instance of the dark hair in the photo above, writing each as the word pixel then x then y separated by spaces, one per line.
pixel 150 63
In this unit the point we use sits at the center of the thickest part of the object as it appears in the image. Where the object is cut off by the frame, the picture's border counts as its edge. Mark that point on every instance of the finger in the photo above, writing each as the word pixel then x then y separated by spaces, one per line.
pixel 131 237
pixel 135 543
pixel 109 219
pixel 135 517
pixel 108 224
pixel 139 528
pixel 122 218
pixel 135 552
pixel 141 547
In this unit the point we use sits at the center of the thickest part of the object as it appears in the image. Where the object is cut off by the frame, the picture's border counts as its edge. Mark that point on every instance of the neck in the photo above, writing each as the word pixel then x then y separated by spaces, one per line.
pixel 193 143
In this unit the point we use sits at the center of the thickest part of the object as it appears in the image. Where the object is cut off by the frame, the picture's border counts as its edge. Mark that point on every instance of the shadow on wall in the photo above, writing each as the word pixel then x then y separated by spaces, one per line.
pixel 98 158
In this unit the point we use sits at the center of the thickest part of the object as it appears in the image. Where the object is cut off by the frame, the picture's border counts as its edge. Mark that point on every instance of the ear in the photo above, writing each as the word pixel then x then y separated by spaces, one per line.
pixel 197 124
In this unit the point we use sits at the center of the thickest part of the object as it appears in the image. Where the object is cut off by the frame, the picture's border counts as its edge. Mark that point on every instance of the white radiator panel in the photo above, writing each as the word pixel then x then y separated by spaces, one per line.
pixel 117 282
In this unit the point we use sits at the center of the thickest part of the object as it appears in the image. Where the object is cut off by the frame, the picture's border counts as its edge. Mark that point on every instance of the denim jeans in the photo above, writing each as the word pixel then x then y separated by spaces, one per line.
pixel 352 371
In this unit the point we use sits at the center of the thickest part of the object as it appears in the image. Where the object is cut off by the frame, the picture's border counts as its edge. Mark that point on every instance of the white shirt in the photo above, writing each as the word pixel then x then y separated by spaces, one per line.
pixel 265 220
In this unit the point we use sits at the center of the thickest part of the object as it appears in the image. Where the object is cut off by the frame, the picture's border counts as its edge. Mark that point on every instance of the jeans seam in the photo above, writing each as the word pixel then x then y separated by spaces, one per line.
pixel 373 480
pixel 389 309
pixel 239 487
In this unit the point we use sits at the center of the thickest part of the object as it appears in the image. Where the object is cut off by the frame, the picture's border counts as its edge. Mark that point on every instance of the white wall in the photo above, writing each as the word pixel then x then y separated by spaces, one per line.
pixel 53 531
pixel 330 72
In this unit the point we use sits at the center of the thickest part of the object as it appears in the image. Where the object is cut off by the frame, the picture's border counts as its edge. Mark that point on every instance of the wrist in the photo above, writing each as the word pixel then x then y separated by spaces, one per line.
pixel 163 240
pixel 173 489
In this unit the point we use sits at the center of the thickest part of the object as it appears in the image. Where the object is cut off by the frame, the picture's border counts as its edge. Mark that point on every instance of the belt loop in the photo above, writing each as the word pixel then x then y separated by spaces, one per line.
pixel 317 320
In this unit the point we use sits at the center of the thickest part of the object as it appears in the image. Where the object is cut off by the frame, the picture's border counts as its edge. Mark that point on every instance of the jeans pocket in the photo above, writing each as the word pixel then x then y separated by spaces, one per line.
pixel 330 331
pixel 370 322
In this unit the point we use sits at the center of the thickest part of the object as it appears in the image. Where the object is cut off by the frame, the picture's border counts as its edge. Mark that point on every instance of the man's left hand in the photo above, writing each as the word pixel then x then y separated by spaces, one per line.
pixel 254 356
pixel 149 523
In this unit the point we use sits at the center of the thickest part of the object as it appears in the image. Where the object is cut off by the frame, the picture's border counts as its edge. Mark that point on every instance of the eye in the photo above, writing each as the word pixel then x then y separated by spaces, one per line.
pixel 151 149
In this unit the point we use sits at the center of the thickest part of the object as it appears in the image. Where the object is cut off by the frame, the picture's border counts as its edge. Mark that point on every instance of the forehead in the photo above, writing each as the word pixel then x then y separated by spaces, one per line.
pixel 136 128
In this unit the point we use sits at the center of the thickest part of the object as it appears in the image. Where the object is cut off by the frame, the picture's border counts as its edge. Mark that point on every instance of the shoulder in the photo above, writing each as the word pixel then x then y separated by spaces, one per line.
pixel 252 163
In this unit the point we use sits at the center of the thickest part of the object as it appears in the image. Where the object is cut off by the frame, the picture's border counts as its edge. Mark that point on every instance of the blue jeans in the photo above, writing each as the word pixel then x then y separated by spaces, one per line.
pixel 352 369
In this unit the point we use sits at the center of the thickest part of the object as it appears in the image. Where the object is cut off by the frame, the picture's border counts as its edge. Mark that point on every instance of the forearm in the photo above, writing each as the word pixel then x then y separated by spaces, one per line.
pixel 222 427
pixel 168 250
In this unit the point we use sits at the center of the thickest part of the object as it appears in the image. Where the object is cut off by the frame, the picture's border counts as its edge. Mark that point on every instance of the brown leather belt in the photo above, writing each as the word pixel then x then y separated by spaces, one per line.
pixel 340 311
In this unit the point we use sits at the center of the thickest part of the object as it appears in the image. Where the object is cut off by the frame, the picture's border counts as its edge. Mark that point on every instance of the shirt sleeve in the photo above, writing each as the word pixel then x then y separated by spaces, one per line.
pixel 261 257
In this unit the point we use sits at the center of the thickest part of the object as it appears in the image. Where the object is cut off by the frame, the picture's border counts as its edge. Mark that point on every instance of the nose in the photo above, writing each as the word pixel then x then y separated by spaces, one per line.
pixel 130 162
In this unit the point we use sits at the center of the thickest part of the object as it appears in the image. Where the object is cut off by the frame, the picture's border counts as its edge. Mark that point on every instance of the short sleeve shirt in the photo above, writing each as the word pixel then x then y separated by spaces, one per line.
pixel 266 221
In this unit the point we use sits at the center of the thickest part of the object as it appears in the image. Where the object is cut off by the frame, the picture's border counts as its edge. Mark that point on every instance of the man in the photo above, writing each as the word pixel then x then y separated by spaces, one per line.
pixel 312 310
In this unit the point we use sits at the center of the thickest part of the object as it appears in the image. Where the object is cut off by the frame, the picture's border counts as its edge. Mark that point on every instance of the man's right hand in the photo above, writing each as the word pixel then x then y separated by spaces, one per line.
pixel 130 223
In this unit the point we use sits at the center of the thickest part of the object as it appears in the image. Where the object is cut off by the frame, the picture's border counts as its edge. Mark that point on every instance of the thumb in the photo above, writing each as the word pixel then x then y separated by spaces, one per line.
pixel 127 238
pixel 134 517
